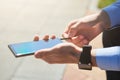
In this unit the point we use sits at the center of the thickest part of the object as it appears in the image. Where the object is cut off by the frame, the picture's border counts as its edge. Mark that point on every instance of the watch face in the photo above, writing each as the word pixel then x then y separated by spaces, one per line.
pixel 85 66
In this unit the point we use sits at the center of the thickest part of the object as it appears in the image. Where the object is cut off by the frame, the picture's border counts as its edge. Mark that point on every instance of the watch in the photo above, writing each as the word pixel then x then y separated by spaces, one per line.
pixel 85 58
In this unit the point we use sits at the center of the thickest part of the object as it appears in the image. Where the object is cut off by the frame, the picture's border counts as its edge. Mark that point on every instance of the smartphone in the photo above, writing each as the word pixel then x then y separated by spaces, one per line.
pixel 29 48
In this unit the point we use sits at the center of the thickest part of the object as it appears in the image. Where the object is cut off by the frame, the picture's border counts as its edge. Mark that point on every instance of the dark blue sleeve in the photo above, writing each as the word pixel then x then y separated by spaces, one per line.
pixel 114 13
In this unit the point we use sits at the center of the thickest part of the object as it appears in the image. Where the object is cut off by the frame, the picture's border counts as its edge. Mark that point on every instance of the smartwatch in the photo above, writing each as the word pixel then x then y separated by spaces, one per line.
pixel 85 58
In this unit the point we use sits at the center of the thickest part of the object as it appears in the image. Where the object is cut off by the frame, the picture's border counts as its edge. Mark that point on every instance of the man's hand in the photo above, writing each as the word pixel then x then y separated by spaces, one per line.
pixel 61 53
pixel 83 30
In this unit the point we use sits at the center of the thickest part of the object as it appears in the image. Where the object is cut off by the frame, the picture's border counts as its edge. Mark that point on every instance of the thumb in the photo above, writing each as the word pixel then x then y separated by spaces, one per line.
pixel 72 32
pixel 39 53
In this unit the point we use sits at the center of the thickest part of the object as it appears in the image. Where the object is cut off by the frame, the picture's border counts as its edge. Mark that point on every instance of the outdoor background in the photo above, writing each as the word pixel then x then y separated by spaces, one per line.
pixel 20 20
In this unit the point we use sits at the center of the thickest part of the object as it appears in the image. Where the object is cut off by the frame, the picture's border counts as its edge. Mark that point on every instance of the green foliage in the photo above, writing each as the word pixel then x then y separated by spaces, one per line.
pixel 104 3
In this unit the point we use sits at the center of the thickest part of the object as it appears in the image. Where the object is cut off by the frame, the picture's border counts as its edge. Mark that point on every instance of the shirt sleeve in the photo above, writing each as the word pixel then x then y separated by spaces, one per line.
pixel 108 58
pixel 113 12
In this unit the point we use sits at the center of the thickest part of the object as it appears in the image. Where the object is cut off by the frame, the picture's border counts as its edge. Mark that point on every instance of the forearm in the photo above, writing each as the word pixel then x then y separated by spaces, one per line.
pixel 106 58
pixel 93 58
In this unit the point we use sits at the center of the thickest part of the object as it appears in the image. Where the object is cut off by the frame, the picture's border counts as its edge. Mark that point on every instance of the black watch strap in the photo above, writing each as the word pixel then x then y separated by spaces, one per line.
pixel 85 58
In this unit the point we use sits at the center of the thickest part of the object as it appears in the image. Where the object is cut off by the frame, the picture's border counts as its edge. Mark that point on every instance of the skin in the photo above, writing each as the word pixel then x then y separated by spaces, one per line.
pixel 61 53
pixel 81 32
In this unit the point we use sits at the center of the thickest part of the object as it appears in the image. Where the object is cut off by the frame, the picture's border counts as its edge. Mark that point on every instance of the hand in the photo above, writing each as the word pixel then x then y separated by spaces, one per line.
pixel 83 30
pixel 61 53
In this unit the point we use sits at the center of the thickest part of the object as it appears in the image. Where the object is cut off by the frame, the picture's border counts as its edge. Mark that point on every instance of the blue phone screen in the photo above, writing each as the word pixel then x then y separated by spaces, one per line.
pixel 26 48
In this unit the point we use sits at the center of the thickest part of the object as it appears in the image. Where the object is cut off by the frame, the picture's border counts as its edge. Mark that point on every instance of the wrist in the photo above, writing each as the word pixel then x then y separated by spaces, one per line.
pixel 103 20
pixel 93 57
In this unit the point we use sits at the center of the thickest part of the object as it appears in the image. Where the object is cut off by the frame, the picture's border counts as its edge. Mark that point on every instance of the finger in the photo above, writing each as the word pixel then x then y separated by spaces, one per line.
pixel 40 53
pixel 69 25
pixel 83 42
pixel 65 35
pixel 36 38
pixel 53 37
pixel 73 30
pixel 73 39
pixel 46 37
pixel 77 39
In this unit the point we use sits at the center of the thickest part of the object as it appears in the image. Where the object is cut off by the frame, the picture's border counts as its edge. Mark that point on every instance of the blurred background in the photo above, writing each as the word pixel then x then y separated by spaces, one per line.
pixel 20 20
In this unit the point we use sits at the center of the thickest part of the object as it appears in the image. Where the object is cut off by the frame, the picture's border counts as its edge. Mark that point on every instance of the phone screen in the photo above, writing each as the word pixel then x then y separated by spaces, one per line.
pixel 28 48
